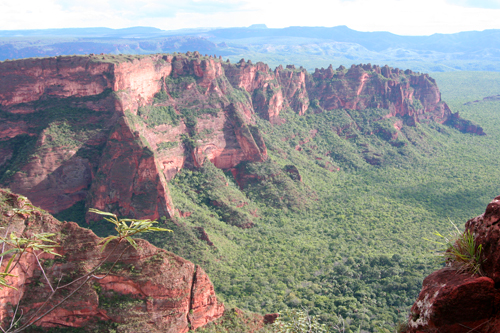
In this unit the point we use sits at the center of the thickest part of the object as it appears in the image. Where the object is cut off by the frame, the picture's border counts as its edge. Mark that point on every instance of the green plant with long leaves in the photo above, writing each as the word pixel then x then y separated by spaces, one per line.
pixel 39 243
pixel 126 228
pixel 36 244
pixel 461 250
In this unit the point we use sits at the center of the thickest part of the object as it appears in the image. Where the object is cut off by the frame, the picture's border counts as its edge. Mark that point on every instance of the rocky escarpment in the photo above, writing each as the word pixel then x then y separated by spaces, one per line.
pixel 148 289
pixel 459 302
pixel 112 131
pixel 411 96
pixel 366 86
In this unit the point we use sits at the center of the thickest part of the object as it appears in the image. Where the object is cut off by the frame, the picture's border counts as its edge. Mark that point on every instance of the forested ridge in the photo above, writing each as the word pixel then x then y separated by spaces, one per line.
pixel 348 239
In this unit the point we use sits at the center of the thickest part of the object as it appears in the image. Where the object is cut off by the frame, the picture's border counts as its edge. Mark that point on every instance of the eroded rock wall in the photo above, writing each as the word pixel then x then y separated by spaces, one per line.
pixel 27 80
pixel 363 86
pixel 113 130
pixel 129 178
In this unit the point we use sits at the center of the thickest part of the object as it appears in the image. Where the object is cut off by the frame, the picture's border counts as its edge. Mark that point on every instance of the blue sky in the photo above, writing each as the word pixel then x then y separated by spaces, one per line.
pixel 404 17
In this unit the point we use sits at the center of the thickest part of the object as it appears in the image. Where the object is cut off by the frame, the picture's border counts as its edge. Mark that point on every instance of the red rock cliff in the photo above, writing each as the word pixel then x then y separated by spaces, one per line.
pixel 28 80
pixel 293 84
pixel 363 86
pixel 157 290
pixel 113 130
pixel 132 174
pixel 258 80
pixel 129 169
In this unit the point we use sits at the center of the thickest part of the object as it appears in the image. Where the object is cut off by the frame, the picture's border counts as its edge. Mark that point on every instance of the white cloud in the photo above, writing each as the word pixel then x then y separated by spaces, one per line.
pixel 406 17
pixel 134 9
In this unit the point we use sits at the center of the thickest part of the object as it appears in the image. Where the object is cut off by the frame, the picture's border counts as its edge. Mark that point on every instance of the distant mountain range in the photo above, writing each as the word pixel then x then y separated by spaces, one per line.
pixel 311 46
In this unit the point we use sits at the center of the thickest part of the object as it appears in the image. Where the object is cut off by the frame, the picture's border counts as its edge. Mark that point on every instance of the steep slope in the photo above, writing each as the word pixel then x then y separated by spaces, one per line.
pixel 148 289
pixel 113 130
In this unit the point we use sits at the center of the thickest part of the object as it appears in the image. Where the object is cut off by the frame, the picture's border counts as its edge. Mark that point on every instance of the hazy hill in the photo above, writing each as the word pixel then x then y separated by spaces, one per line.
pixel 310 46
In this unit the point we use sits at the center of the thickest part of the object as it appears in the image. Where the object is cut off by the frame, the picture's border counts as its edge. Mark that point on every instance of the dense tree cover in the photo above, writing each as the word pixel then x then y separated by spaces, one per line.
pixel 236 321
pixel 349 239
pixel 357 248
pixel 458 88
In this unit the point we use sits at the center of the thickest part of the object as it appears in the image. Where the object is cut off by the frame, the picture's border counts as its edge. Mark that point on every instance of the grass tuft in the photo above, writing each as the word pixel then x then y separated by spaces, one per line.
pixel 461 251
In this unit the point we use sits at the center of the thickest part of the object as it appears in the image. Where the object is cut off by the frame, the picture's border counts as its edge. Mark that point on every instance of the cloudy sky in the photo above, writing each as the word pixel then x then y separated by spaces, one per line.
pixel 404 17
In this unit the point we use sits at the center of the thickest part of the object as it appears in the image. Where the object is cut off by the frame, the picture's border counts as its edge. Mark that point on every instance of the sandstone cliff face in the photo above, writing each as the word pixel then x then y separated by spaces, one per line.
pixel 58 164
pixel 451 302
pixel 113 130
pixel 121 163
pixel 360 87
pixel 139 81
pixel 261 84
pixel 28 80
pixel 130 170
pixel 293 84
pixel 150 288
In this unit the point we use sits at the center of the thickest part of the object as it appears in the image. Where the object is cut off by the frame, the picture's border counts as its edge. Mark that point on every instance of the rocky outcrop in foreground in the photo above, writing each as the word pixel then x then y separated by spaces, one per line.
pixel 147 290
pixel 452 302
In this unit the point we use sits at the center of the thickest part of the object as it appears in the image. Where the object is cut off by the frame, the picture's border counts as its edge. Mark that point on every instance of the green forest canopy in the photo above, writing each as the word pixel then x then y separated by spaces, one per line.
pixel 348 242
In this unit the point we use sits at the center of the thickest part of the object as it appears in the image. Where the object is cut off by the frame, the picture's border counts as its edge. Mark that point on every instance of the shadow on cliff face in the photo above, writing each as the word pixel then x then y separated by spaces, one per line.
pixel 63 187
pixel 273 186
pixel 215 191
pixel 55 164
